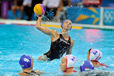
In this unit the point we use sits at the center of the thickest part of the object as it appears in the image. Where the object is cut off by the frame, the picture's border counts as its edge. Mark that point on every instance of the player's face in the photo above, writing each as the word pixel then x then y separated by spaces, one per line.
pixel 67 24
pixel 63 64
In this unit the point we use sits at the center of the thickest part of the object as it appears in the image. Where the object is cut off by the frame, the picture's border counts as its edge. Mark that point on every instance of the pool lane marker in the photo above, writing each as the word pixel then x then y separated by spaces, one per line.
pixel 46 25
pixel 58 26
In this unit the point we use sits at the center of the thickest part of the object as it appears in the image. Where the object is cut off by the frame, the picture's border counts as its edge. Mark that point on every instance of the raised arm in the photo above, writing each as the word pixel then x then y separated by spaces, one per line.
pixel 44 29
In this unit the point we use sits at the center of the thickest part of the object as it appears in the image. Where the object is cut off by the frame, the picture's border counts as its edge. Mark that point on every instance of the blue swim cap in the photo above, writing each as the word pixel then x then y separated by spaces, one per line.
pixel 63 23
pixel 86 65
pixel 25 61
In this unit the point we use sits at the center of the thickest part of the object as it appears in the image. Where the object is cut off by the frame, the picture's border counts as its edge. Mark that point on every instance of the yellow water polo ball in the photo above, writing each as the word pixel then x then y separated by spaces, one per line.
pixel 39 9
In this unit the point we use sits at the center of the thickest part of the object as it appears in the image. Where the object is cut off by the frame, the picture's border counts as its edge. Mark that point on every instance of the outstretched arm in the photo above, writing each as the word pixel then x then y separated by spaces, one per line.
pixel 54 35
pixel 44 29
pixel 70 50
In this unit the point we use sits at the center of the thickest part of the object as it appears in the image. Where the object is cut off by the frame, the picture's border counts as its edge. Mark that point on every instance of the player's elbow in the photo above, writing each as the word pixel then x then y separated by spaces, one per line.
pixel 37 26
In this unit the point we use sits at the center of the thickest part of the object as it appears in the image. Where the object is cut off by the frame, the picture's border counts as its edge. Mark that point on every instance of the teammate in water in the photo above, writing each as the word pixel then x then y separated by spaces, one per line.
pixel 94 55
pixel 26 63
pixel 67 64
pixel 60 43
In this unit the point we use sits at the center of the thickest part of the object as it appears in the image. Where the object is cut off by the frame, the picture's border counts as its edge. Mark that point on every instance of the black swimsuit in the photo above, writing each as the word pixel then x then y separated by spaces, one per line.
pixel 58 48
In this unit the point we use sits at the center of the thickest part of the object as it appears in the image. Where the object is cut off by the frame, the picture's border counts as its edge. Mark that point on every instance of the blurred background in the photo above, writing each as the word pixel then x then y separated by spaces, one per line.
pixel 97 12
pixel 16 40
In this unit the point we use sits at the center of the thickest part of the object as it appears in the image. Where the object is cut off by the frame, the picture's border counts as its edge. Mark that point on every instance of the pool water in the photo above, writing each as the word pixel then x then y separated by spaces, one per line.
pixel 18 40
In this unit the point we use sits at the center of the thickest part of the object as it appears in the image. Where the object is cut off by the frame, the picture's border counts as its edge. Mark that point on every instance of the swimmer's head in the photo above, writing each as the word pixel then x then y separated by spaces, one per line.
pixel 26 62
pixel 94 54
pixel 87 64
pixel 66 24
pixel 67 62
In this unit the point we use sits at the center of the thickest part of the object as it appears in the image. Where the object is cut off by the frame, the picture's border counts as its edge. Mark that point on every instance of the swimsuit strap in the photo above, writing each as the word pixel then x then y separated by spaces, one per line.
pixel 69 40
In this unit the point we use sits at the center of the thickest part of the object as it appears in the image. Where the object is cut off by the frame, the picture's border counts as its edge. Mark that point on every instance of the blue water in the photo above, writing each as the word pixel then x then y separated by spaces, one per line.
pixel 18 40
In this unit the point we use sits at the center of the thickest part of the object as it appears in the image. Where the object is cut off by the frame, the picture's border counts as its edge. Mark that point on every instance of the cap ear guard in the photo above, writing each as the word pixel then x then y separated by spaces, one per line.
pixel 89 50
pixel 99 56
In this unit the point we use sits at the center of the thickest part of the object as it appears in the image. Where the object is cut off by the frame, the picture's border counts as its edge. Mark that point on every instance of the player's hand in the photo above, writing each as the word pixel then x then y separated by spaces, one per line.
pixel 42 58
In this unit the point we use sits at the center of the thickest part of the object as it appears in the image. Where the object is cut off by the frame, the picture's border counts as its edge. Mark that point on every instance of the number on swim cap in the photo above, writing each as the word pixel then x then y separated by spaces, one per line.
pixel 95 52
pixel 26 60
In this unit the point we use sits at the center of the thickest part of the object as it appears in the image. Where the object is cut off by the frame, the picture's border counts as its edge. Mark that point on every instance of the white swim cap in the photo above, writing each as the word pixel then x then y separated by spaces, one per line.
pixel 95 54
pixel 70 61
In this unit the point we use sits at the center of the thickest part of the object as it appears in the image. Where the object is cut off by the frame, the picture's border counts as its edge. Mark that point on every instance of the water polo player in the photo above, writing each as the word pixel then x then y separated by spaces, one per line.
pixel 60 43
pixel 67 64
pixel 95 55
pixel 26 63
